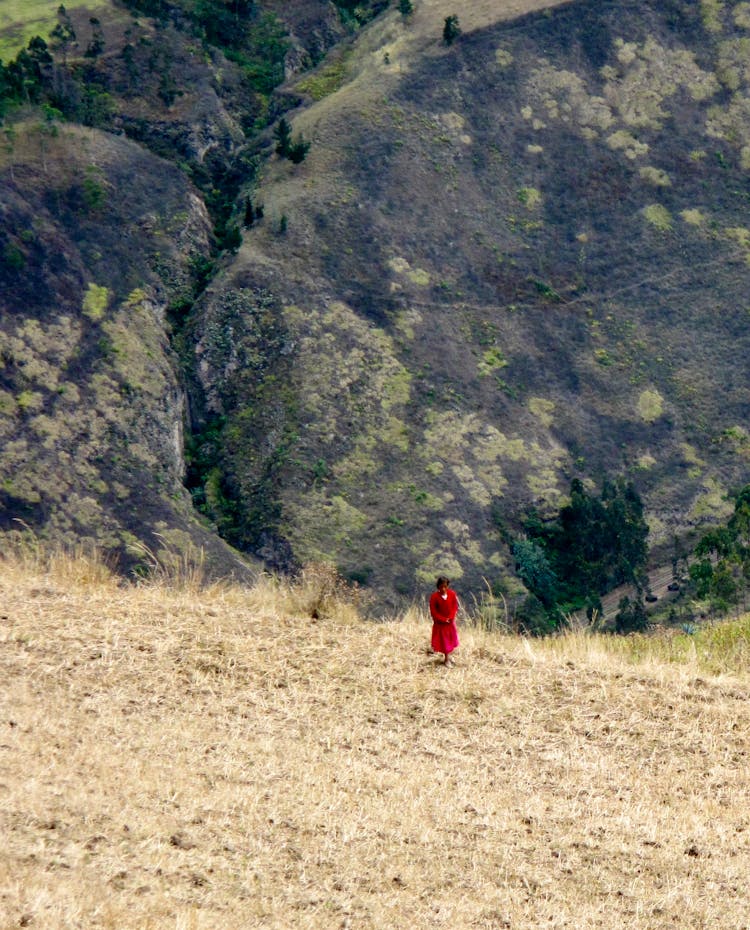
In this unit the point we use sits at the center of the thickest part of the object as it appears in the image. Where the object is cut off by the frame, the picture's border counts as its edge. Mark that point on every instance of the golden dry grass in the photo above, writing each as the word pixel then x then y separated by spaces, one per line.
pixel 215 759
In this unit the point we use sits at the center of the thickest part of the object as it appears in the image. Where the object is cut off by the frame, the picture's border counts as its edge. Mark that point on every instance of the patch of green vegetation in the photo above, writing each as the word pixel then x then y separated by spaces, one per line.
pixel 137 351
pixel 95 301
pixel 650 406
pixel 656 177
pixel 542 409
pixel 407 322
pixel 492 360
pixel 564 95
pixel 328 78
pixel 94 191
pixel 322 523
pixel 741 14
pixel 740 235
pixel 21 20
pixel 530 197
pixel 503 57
pixel 736 438
pixel 692 458
pixel 30 401
pixel 358 12
pixel 711 504
pixel 13 257
pixel 7 404
pixel 693 217
pixel 546 290
pixel 649 75
pixel 658 216
pixel 441 561
pixel 624 141
pixel 419 276
pixel 543 485
pixel 711 14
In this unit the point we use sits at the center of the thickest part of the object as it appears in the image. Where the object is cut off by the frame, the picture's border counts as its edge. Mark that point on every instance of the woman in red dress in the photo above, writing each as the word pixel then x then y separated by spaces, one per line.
pixel 443 608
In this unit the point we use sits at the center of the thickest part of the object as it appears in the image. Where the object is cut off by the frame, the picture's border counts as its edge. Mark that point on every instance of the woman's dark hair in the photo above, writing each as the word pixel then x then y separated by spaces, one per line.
pixel 442 580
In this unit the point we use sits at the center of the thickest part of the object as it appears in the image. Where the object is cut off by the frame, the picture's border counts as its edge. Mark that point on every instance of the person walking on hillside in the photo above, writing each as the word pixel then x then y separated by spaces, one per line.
pixel 443 609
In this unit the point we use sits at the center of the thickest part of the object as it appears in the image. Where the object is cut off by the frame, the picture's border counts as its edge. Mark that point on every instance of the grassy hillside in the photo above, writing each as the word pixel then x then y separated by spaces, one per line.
pixel 504 263
pixel 176 758
pixel 21 20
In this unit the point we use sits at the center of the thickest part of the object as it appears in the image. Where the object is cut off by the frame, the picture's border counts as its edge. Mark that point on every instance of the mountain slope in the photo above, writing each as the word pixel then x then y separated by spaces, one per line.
pixel 99 238
pixel 109 229
pixel 504 263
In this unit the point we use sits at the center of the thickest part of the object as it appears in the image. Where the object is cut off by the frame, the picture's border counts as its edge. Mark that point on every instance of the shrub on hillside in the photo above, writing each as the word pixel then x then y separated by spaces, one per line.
pixel 451 29
pixel 286 147
pixel 631 616
pixel 320 591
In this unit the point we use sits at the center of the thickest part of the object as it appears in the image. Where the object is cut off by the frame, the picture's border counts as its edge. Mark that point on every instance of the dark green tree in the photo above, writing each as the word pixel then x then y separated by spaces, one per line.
pixel 533 568
pixel 720 542
pixel 724 589
pixel 701 574
pixel 294 149
pixel 405 8
pixel 722 569
pixel 283 135
pixel 96 45
pixel 64 35
pixel 631 616
pixel 451 29
pixel 739 522
pixel 594 544
pixel 533 619
pixel 298 150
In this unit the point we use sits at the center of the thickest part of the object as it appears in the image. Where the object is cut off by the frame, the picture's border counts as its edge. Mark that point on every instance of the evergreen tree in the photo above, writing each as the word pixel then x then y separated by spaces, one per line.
pixel 294 149
pixel 298 150
pixel 631 616
pixel 96 45
pixel 533 568
pixel 594 544
pixel 283 135
pixel 64 34
pixel 451 30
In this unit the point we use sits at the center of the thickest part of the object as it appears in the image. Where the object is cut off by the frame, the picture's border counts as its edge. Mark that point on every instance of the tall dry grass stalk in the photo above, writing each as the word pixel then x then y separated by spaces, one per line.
pixel 217 758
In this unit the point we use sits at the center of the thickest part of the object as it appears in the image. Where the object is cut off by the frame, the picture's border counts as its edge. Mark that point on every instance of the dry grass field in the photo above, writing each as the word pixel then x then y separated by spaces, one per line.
pixel 180 758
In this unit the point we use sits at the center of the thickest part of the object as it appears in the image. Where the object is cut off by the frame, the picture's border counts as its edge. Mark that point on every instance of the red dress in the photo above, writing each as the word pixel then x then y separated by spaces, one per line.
pixel 444 610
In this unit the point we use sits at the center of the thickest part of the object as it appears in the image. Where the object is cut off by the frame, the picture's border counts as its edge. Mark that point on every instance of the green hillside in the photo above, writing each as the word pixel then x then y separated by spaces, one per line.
pixel 21 20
